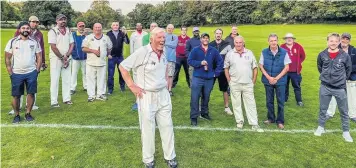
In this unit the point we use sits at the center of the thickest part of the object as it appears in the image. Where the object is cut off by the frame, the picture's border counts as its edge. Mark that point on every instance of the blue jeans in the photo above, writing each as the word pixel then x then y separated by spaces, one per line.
pixel 112 63
pixel 296 79
pixel 280 94
pixel 200 87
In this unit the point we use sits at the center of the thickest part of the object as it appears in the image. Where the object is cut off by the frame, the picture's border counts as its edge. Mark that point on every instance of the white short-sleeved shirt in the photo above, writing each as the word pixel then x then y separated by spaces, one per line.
pixel 286 58
pixel 23 54
pixel 62 41
pixel 240 66
pixel 149 71
pixel 91 42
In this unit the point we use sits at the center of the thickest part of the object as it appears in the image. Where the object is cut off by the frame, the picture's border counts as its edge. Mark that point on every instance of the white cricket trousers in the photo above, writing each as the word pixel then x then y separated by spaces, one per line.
pixel 156 107
pixel 96 77
pixel 57 70
pixel 247 92
pixel 351 100
pixel 76 64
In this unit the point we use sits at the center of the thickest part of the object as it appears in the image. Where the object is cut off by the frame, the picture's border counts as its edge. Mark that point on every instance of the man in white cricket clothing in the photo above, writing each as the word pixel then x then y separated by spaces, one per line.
pixel 98 47
pixel 149 66
pixel 61 44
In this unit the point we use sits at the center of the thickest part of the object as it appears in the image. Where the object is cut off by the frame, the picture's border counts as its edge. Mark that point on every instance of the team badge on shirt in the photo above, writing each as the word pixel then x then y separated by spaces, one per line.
pixel 32 47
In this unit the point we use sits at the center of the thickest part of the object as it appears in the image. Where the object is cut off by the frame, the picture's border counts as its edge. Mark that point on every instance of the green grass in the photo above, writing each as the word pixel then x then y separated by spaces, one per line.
pixel 64 147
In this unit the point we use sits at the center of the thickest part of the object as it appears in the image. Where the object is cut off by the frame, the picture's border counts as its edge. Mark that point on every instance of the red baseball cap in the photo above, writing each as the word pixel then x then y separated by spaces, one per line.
pixel 80 24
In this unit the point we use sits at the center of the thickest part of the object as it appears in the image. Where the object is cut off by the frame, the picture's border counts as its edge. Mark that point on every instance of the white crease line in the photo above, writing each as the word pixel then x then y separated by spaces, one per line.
pixel 74 126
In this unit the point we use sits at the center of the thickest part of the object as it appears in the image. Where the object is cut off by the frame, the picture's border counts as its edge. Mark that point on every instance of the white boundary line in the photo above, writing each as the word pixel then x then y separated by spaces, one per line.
pixel 75 126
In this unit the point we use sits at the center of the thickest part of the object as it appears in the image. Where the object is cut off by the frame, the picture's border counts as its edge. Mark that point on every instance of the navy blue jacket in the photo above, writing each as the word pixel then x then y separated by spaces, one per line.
pixel 118 43
pixel 352 54
pixel 212 56
pixel 274 65
pixel 191 43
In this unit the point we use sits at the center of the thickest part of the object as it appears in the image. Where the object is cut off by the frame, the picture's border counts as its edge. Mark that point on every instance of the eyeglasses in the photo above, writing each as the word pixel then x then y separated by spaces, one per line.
pixel 81 26
pixel 35 21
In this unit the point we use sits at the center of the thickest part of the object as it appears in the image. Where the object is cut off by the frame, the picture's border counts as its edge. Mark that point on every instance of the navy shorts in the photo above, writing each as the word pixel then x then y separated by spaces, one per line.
pixel 19 81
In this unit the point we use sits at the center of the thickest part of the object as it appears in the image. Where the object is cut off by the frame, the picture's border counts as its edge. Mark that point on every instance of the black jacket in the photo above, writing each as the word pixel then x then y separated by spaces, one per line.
pixel 334 72
pixel 230 40
pixel 352 54
pixel 223 47
pixel 118 43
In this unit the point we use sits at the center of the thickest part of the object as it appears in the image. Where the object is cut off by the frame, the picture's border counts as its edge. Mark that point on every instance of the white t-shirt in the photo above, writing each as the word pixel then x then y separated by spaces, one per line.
pixel 23 54
pixel 62 41
pixel 149 72
pixel 136 41
pixel 240 66
pixel 91 42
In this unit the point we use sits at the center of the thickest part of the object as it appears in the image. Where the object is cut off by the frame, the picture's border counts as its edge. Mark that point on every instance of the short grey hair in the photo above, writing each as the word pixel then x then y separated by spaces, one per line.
pixel 239 37
pixel 155 31
pixel 272 35
pixel 333 35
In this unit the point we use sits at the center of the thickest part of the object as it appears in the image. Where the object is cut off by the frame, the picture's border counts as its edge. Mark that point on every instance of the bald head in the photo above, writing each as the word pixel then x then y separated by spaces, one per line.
pixel 153 25
pixel 97 29
pixel 170 28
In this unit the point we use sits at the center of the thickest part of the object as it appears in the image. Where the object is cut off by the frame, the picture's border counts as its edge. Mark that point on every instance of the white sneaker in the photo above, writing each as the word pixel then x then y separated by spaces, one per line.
pixel 240 125
pixel 228 111
pixel 12 112
pixel 257 128
pixel 34 107
pixel 320 130
pixel 102 98
pixel 347 136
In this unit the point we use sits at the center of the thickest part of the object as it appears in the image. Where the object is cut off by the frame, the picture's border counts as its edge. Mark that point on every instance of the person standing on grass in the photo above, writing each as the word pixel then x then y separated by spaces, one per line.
pixel 98 47
pixel 145 41
pixel 23 60
pixel 203 58
pixel 335 67
pixel 192 43
pixel 79 58
pixel 232 35
pixel 181 59
pixel 171 43
pixel 61 44
pixel 350 83
pixel 146 38
pixel 274 65
pixel 149 85
pixel 241 72
pixel 37 35
pixel 136 38
pixel 297 56
pixel 118 38
pixel 223 47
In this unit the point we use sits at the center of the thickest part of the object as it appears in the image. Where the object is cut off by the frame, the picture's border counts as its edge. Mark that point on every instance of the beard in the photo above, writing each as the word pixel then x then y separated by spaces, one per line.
pixel 25 33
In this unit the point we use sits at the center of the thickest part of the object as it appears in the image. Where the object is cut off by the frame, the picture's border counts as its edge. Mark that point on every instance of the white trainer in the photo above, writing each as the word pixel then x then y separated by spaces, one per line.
pixel 257 128
pixel 12 112
pixel 240 125
pixel 347 136
pixel 34 107
pixel 228 111
pixel 320 130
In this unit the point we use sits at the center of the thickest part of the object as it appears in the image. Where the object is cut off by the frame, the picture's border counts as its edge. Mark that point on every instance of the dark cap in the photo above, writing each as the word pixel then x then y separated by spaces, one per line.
pixel 204 34
pixel 22 24
pixel 60 16
pixel 346 35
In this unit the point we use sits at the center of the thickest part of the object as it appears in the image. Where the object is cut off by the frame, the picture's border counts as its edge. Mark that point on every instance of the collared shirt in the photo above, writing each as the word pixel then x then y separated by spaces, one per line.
pixel 62 41
pixel 149 72
pixel 23 54
pixel 103 43
pixel 240 65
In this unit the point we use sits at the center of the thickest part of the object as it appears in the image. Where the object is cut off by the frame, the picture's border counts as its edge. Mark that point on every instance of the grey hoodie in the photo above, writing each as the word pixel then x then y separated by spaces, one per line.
pixel 334 72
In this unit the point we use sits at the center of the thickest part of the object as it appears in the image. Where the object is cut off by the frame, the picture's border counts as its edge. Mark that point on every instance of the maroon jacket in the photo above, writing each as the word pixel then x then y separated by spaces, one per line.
pixel 39 37
pixel 296 55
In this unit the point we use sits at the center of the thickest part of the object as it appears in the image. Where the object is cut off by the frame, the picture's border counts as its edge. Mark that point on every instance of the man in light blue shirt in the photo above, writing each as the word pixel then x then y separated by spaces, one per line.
pixel 170 52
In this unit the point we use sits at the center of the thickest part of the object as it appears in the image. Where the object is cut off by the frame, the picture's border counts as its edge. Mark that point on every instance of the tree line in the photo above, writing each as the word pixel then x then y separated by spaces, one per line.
pixel 188 13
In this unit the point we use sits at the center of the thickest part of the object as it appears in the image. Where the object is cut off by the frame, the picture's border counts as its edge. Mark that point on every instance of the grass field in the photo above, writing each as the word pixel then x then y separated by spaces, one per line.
pixel 113 140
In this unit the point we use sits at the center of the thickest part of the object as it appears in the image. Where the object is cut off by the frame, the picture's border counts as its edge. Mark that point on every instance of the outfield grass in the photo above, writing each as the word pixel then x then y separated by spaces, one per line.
pixel 66 147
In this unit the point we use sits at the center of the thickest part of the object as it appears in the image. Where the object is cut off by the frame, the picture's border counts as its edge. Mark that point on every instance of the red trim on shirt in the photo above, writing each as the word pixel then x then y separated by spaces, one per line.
pixel 205 50
pixel 333 55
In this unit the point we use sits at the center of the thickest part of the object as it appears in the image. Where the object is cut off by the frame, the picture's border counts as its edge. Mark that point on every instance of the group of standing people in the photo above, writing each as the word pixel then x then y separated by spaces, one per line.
pixel 155 60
